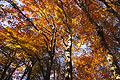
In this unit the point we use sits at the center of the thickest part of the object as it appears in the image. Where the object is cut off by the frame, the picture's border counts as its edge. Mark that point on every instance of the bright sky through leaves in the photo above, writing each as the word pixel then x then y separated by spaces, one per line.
pixel 60 39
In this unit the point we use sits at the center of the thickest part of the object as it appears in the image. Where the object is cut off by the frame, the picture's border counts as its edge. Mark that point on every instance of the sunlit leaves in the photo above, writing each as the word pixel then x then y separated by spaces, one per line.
pixel 21 43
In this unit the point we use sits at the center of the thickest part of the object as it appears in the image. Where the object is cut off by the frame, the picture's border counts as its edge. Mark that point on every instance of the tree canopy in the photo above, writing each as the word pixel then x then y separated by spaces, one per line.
pixel 60 40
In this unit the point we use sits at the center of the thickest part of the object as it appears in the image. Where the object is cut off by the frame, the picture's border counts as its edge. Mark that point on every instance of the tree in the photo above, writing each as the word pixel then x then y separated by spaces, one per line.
pixel 59 39
pixel 110 57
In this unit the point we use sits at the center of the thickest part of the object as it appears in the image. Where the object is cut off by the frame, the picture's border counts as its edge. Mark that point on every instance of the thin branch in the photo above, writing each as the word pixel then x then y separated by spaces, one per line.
pixel 40 66
pixel 64 41
pixel 16 7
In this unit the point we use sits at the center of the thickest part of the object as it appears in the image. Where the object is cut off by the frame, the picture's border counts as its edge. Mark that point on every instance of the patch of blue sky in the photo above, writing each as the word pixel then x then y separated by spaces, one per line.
pixel 84 47
pixel 4 3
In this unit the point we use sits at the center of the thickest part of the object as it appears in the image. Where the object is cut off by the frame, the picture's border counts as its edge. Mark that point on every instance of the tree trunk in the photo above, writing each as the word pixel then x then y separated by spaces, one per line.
pixel 24 73
pixel 29 73
pixel 68 50
pixel 110 57
pixel 68 75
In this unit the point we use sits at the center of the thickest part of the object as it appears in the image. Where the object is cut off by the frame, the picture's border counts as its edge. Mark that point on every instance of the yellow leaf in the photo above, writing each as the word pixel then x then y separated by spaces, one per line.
pixel 78 44
pixel 8 34
pixel 20 69
pixel 63 30
pixel 18 46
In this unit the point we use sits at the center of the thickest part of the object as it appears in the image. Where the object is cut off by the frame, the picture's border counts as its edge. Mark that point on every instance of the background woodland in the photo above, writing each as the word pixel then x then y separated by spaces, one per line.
pixel 60 40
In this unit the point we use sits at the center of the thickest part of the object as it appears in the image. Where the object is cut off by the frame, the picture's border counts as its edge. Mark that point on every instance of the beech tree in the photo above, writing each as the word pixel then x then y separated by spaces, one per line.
pixel 60 39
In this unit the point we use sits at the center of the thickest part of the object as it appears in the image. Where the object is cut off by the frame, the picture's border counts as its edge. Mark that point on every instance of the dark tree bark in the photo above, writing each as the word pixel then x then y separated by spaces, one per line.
pixel 68 50
pixel 24 73
pixel 30 69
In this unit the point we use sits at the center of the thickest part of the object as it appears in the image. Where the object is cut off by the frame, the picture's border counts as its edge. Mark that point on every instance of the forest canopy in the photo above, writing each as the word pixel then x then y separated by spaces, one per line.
pixel 59 40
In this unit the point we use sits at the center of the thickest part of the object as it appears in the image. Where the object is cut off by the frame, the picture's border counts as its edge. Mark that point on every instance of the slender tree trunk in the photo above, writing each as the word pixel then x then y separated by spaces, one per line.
pixel 54 70
pixel 68 75
pixel 24 73
pixel 30 69
pixel 68 50
pixel 29 73
pixel 110 57
pixel 52 46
